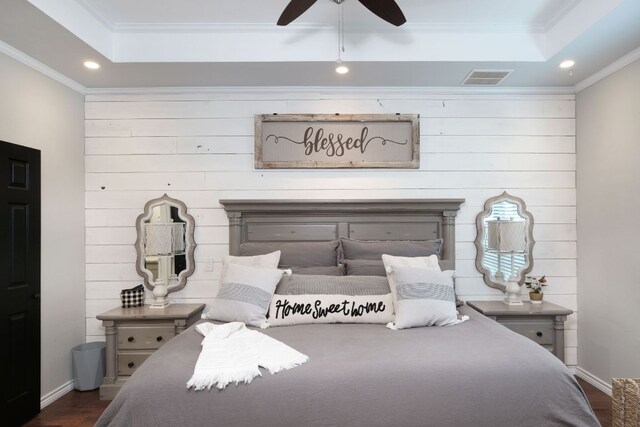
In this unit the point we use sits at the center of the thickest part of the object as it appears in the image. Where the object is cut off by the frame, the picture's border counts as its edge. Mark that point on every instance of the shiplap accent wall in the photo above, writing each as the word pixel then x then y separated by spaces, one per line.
pixel 198 147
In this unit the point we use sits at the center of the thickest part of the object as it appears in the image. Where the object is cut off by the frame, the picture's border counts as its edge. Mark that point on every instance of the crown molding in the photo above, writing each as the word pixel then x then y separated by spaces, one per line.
pixel 560 13
pixel 416 91
pixel 97 13
pixel 297 28
pixel 609 69
pixel 42 68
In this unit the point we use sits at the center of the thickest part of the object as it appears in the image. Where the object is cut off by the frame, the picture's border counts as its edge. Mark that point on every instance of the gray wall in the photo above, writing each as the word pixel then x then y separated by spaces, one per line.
pixel 37 112
pixel 608 173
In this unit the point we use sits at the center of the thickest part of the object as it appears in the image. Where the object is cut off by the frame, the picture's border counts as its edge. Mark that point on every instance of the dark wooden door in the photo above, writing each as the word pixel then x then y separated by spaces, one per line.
pixel 19 282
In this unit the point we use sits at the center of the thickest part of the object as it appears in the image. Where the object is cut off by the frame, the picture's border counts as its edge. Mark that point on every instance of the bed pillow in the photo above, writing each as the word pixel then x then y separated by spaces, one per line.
pixel 298 284
pixel 446 264
pixel 423 297
pixel 365 267
pixel 300 309
pixel 244 295
pixel 374 249
pixel 270 260
pixel 319 271
pixel 297 254
pixel 428 262
pixel 370 267
pixel 267 260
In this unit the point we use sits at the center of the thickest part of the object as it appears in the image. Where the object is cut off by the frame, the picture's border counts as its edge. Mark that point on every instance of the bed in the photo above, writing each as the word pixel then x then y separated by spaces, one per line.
pixel 477 373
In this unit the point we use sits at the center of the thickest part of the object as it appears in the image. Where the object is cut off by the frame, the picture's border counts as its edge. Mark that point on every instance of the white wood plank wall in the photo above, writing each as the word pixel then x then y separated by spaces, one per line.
pixel 198 148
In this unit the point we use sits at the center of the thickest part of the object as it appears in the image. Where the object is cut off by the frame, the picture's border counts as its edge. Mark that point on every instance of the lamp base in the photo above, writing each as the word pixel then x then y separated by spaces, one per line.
pixel 513 300
pixel 160 304
pixel 513 294
pixel 160 293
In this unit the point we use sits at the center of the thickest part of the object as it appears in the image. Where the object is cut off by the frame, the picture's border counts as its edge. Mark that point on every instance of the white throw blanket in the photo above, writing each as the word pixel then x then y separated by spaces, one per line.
pixel 231 353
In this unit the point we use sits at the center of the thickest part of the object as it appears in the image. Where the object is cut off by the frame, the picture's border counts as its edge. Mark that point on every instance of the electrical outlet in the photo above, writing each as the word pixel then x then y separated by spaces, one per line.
pixel 208 264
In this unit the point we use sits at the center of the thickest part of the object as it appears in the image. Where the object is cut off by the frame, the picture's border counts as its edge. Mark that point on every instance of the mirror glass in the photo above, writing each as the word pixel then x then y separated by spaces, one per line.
pixel 165 243
pixel 504 241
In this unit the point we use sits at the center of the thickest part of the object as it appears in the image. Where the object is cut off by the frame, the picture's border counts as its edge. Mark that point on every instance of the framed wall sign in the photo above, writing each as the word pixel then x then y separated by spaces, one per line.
pixel 337 141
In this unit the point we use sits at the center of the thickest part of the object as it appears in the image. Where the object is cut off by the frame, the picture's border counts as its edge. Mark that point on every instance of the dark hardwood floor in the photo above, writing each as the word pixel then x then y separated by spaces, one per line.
pixel 83 408
pixel 600 402
pixel 75 409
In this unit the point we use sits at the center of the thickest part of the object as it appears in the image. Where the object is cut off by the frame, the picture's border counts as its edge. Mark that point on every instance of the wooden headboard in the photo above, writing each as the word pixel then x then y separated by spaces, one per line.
pixel 322 220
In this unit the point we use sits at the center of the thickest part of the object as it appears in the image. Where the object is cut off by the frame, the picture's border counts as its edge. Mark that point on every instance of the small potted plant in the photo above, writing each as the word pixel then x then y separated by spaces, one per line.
pixel 535 286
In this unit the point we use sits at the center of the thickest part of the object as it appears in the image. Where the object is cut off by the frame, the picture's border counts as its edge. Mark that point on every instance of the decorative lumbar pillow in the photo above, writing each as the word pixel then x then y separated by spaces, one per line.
pixel 298 284
pixel 428 262
pixel 244 295
pixel 423 297
pixel 297 254
pixel 374 249
pixel 299 309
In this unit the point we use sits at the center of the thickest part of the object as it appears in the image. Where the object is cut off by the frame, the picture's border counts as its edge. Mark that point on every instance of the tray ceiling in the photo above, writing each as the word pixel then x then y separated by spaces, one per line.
pixel 236 43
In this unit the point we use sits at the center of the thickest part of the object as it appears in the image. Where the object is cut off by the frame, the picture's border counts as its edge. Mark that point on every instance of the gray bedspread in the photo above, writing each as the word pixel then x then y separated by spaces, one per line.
pixel 478 373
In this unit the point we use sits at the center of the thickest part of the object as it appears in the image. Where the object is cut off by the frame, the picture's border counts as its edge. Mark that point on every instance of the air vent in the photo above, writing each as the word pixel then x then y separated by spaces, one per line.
pixel 486 77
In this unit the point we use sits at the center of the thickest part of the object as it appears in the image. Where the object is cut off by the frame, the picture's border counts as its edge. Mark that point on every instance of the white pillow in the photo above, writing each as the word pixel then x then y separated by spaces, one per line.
pixel 244 295
pixel 429 262
pixel 300 309
pixel 424 297
pixel 259 261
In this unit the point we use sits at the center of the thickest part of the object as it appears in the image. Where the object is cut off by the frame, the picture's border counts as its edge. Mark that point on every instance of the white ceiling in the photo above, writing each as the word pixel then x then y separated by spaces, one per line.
pixel 157 43
pixel 513 12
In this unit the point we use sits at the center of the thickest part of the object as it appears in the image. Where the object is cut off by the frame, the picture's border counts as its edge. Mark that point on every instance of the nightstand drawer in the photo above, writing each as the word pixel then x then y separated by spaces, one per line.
pixel 129 362
pixel 538 331
pixel 144 337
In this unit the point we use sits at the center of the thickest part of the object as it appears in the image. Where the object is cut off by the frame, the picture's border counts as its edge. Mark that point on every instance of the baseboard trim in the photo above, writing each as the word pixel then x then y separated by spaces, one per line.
pixel 601 385
pixel 56 394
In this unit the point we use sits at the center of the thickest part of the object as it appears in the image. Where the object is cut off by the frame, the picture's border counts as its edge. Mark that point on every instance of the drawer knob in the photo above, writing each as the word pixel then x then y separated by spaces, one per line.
pixel 159 339
pixel 539 333
pixel 130 339
pixel 131 364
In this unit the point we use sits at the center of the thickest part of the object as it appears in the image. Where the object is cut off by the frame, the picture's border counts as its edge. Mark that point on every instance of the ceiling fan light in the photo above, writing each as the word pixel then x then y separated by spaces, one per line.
pixel 341 68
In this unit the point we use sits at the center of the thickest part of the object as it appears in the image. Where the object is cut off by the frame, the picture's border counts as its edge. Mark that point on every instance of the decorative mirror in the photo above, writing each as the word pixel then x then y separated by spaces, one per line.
pixel 504 244
pixel 165 247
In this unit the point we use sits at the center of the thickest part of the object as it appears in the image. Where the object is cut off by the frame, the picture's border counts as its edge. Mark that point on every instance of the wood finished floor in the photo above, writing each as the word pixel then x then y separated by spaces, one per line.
pixel 83 408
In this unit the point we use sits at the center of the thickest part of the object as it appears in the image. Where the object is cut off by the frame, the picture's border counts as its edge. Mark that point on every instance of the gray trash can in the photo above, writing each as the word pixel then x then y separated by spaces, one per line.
pixel 88 365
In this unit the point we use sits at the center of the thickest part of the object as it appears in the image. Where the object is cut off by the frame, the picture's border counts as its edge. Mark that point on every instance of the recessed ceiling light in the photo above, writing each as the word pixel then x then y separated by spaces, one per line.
pixel 568 63
pixel 92 65
pixel 341 68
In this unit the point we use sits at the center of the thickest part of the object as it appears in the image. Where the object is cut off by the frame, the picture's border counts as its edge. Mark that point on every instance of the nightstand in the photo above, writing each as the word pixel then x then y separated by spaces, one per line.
pixel 133 334
pixel 542 323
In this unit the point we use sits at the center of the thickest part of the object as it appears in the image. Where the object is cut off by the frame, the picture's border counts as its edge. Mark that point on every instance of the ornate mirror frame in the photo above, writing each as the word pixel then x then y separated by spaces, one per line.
pixel 522 211
pixel 190 243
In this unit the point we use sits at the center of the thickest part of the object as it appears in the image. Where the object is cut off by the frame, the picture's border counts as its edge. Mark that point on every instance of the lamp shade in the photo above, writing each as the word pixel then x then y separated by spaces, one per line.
pixel 506 236
pixel 158 239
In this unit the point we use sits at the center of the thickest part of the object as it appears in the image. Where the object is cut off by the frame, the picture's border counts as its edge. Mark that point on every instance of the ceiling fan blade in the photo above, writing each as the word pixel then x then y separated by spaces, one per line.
pixel 294 9
pixel 387 10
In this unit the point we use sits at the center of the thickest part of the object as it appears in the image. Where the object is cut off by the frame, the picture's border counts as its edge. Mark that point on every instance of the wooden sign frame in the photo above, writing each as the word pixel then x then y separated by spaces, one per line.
pixel 318 139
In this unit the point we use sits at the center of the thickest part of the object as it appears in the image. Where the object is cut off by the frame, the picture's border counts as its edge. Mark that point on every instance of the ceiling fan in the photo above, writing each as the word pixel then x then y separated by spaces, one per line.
pixel 385 9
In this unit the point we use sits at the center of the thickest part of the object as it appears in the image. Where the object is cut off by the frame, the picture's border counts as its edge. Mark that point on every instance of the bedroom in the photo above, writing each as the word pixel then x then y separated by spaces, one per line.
pixel 171 110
